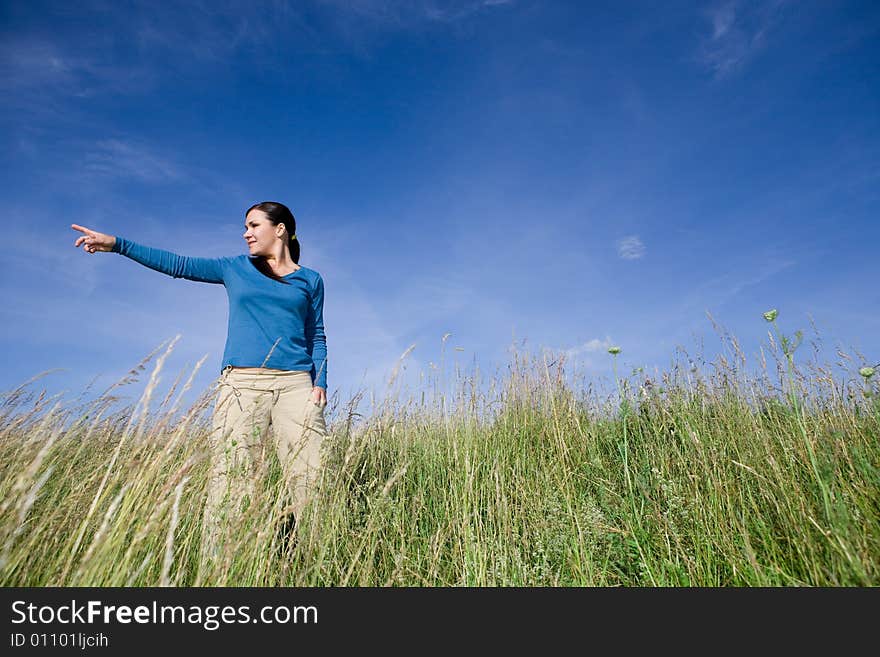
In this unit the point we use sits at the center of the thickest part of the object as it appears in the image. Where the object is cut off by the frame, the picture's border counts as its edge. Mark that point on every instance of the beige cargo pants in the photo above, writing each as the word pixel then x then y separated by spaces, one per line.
pixel 249 400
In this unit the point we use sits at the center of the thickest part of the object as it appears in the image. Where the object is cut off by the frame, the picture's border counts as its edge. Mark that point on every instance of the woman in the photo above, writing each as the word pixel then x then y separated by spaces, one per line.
pixel 274 366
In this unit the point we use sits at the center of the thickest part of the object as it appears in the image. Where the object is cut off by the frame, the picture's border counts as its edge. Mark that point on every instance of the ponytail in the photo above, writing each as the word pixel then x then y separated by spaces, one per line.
pixel 293 244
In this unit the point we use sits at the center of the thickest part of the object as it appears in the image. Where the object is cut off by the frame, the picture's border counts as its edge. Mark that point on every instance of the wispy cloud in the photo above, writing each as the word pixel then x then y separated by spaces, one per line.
pixel 141 40
pixel 721 289
pixel 355 20
pixel 35 72
pixel 213 31
pixel 722 19
pixel 458 11
pixel 738 30
pixel 630 248
pixel 138 45
pixel 26 63
pixel 127 159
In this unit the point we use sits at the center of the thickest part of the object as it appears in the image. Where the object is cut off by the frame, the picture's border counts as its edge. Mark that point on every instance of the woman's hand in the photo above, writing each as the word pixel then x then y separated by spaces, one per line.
pixel 92 241
pixel 319 396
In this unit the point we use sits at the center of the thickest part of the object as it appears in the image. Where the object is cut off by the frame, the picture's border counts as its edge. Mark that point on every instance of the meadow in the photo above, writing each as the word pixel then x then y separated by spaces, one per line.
pixel 724 473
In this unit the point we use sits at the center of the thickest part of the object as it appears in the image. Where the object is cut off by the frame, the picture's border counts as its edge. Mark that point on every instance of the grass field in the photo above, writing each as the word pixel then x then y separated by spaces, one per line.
pixel 695 477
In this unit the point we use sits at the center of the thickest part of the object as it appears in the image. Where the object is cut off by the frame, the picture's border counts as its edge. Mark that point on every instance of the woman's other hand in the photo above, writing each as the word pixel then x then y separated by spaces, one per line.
pixel 319 396
pixel 92 241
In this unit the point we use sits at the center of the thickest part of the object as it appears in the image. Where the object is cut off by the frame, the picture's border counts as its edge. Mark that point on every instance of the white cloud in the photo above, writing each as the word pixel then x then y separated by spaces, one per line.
pixel 590 346
pixel 630 248
pixel 738 31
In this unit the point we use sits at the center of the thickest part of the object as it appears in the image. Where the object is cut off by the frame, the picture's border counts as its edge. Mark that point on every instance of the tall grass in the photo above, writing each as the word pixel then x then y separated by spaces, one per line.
pixel 694 477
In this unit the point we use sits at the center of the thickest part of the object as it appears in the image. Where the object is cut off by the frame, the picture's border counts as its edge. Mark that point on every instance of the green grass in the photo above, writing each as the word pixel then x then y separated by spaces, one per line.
pixel 689 479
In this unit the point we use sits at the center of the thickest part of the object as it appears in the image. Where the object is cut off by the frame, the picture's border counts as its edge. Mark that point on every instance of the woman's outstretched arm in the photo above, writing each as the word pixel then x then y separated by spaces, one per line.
pixel 206 270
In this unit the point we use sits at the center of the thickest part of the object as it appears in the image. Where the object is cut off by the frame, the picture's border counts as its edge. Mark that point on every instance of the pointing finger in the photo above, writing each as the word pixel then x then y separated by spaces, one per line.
pixel 81 229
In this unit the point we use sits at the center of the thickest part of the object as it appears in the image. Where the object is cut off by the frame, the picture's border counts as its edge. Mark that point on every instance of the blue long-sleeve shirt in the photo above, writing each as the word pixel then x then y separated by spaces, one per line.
pixel 279 325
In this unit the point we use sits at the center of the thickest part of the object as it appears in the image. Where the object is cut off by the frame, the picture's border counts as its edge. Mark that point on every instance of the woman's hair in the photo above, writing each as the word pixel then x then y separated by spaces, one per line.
pixel 278 213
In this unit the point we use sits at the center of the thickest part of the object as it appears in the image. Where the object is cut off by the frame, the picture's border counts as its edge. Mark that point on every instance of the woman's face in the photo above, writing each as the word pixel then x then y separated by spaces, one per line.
pixel 260 234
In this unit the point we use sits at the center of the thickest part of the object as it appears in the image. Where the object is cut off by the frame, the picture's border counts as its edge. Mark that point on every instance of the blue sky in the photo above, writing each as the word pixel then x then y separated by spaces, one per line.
pixel 556 175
